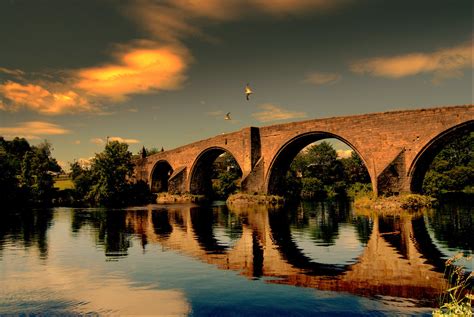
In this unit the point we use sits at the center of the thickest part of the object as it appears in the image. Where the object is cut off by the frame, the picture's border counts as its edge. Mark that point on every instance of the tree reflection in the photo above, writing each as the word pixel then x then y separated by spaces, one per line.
pixel 109 227
pixel 28 228
pixel 453 223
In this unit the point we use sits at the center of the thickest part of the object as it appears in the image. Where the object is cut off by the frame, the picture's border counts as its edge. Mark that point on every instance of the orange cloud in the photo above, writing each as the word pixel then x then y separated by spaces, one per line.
pixel 33 130
pixel 138 70
pixel 99 141
pixel 272 112
pixel 322 78
pixel 171 20
pixel 444 63
pixel 40 99
pixel 12 72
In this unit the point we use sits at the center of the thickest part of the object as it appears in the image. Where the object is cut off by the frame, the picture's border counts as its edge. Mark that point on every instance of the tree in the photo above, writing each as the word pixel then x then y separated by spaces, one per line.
pixel 107 182
pixel 355 170
pixel 453 168
pixel 36 177
pixel 109 172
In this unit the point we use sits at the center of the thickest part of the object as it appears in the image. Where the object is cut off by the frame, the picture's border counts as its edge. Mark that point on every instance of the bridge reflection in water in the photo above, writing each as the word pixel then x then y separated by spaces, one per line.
pixel 396 256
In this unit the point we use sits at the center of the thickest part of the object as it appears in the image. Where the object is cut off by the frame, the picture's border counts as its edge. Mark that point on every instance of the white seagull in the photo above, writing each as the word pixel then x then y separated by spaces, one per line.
pixel 227 116
pixel 248 91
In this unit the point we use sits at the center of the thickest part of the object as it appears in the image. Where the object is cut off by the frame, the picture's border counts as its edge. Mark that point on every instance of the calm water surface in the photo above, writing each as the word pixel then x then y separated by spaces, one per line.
pixel 313 259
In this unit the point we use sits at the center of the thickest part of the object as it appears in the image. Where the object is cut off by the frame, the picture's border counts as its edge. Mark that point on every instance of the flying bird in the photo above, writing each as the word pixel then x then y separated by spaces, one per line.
pixel 248 91
pixel 227 116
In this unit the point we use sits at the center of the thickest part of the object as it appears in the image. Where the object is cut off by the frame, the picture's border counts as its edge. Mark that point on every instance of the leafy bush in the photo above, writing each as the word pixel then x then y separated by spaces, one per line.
pixel 415 201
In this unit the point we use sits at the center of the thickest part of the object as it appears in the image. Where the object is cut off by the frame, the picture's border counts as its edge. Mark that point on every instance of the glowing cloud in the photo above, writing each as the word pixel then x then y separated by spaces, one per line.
pixel 322 78
pixel 122 140
pixel 37 98
pixel 272 112
pixel 99 141
pixel 138 70
pixel 33 130
pixel 171 20
pixel 444 63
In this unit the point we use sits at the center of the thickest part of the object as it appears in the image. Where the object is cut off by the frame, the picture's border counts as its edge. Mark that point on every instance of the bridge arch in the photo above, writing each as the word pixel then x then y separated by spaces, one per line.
pixel 281 162
pixel 200 180
pixel 160 175
pixel 424 158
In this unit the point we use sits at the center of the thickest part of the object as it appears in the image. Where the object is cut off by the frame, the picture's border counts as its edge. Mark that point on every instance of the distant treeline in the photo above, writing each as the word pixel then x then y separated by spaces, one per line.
pixel 27 171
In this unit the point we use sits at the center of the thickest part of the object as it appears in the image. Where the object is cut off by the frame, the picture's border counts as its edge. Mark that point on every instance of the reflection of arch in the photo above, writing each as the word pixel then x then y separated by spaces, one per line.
pixel 423 159
pixel 159 176
pixel 285 155
pixel 203 221
pixel 281 236
pixel 201 171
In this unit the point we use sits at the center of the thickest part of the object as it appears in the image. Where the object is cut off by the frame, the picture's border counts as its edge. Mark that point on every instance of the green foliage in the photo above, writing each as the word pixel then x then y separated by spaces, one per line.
pixel 317 172
pixel 226 184
pixel 453 168
pixel 456 300
pixel 27 172
pixel 107 183
pixel 226 176
pixel 415 201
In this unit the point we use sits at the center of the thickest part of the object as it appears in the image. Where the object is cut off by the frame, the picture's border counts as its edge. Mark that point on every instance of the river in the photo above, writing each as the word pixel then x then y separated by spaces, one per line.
pixel 312 259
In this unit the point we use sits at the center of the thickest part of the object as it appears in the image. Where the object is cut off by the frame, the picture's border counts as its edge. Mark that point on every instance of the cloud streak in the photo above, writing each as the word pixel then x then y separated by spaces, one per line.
pixel 173 20
pixel 99 141
pixel 272 112
pixel 322 78
pixel 33 130
pixel 443 64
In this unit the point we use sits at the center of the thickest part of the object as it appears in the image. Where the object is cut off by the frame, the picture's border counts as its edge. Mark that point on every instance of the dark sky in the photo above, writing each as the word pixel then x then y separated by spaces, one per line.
pixel 164 73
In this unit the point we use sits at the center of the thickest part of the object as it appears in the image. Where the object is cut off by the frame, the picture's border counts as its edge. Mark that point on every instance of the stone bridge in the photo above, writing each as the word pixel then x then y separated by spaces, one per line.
pixel 396 147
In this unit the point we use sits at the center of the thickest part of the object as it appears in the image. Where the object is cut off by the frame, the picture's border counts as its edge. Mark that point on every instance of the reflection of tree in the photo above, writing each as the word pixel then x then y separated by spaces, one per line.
pixel 161 223
pixel 229 221
pixel 453 224
pixel 109 228
pixel 364 228
pixel 321 219
pixel 280 222
pixel 27 227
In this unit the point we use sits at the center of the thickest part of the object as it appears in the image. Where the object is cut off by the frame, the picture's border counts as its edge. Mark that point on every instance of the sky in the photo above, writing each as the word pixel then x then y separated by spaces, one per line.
pixel 163 73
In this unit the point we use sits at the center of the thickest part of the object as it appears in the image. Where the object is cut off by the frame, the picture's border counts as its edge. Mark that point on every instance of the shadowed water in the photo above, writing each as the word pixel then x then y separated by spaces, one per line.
pixel 311 259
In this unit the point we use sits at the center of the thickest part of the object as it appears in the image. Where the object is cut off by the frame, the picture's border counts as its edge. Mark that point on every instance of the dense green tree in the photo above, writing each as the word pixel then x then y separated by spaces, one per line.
pixel 226 173
pixel 109 172
pixel 453 168
pixel 318 172
pixel 27 172
pixel 37 170
pixel 107 182
pixel 355 170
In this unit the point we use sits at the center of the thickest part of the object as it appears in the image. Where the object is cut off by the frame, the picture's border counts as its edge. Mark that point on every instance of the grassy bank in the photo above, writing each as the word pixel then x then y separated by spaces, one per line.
pixel 404 201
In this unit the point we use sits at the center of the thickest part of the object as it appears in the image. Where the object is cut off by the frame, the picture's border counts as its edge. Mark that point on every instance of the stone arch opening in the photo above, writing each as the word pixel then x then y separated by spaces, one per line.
pixel 160 176
pixel 280 165
pixel 208 168
pixel 425 157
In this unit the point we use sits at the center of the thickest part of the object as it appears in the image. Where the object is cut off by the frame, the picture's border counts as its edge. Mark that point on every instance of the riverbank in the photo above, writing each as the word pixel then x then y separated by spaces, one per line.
pixel 165 198
pixel 241 200
pixel 405 202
